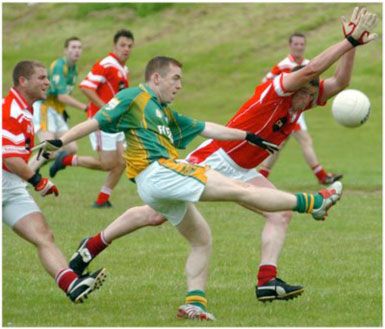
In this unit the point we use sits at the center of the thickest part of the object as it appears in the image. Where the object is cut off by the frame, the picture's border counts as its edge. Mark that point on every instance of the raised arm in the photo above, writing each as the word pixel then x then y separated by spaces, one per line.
pixel 359 34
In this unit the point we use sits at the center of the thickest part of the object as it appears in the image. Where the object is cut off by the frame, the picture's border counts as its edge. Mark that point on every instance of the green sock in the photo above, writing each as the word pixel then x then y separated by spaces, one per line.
pixel 306 202
pixel 198 298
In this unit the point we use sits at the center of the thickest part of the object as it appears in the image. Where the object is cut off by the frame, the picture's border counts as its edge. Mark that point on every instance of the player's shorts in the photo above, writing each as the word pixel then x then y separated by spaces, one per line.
pixel 301 123
pixel 17 202
pixel 47 119
pixel 221 162
pixel 102 141
pixel 169 185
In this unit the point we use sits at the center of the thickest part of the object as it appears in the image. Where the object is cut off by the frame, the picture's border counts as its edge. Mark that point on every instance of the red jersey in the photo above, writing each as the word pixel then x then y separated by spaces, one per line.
pixel 107 77
pixel 284 66
pixel 268 114
pixel 17 133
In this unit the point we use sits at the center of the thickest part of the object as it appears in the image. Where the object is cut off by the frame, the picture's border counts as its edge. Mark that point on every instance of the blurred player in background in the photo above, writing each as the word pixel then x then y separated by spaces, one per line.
pixel 106 78
pixel 297 44
pixel 20 211
pixel 272 114
pixel 50 117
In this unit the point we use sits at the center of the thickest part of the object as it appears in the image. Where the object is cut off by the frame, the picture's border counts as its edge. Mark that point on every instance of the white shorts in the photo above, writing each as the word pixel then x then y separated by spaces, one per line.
pixel 17 202
pixel 169 187
pixel 102 141
pixel 301 123
pixel 222 163
pixel 48 119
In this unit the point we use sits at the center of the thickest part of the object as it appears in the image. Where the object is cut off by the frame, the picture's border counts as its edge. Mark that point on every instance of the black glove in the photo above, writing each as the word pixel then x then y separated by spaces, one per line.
pixel 47 146
pixel 256 140
pixel 66 116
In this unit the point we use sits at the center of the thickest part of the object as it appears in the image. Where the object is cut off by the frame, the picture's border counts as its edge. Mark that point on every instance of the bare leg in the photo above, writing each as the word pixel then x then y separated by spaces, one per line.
pixel 221 188
pixel 113 160
pixel 131 220
pixel 196 230
pixel 305 141
pixel 274 231
pixel 34 229
pixel 270 161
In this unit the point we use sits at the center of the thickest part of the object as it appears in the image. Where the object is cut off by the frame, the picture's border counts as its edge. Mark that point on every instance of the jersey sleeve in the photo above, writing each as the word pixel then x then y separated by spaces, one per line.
pixel 279 88
pixel 109 115
pixel 14 143
pixel 184 129
pixel 95 77
pixel 58 80
pixel 320 94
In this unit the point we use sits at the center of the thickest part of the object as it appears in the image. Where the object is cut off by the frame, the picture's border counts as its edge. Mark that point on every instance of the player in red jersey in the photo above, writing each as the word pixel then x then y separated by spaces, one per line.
pixel 20 211
pixel 270 113
pixel 297 44
pixel 106 78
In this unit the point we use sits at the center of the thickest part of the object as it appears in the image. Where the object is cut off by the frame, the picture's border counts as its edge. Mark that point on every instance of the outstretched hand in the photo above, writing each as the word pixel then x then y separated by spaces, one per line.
pixel 358 29
pixel 47 146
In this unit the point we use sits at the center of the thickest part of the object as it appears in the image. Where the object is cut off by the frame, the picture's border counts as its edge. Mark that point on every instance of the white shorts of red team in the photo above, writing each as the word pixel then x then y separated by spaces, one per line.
pixel 168 191
pixel 221 162
pixel 102 141
pixel 49 121
pixel 16 201
pixel 301 123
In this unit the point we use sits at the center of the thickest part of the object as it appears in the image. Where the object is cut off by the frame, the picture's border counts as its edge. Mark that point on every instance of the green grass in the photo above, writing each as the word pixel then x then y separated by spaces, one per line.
pixel 226 49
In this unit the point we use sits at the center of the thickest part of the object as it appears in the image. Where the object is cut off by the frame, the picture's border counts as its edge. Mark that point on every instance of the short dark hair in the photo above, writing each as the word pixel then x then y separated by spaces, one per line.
pixel 296 34
pixel 160 64
pixel 24 69
pixel 314 82
pixel 123 33
pixel 67 41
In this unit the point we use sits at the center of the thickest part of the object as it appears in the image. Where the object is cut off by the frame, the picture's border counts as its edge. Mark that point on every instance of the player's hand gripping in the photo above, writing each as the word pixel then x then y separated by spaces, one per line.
pixel 43 185
pixel 358 30
pixel 256 140
pixel 47 146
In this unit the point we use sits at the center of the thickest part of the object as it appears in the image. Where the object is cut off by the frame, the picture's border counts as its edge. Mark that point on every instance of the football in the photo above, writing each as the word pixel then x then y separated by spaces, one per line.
pixel 351 108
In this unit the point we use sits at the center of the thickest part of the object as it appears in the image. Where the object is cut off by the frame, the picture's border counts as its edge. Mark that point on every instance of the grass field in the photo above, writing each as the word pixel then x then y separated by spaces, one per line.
pixel 226 49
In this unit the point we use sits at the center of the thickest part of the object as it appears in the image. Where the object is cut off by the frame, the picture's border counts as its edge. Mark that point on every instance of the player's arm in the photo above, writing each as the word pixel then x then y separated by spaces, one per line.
pixel 71 101
pixel 219 132
pixel 92 96
pixel 42 185
pixel 341 78
pixel 358 36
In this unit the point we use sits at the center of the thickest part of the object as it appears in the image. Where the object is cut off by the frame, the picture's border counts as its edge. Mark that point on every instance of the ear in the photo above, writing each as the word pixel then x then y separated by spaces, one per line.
pixel 23 81
pixel 156 78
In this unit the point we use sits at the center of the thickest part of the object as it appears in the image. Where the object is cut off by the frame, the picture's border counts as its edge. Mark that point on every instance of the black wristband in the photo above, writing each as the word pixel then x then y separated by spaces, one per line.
pixel 35 179
pixel 248 136
pixel 353 41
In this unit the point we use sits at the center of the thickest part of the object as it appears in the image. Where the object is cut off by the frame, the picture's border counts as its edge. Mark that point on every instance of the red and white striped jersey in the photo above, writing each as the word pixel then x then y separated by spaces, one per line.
pixel 268 114
pixel 107 77
pixel 17 132
pixel 284 66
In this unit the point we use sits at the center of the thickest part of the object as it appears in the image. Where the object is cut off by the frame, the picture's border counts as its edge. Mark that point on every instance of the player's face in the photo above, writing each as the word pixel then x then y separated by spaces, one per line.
pixel 297 47
pixel 169 84
pixel 303 96
pixel 36 86
pixel 74 51
pixel 123 48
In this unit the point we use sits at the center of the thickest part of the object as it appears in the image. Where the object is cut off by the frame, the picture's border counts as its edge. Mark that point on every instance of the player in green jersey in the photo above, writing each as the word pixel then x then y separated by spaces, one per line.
pixel 49 115
pixel 171 186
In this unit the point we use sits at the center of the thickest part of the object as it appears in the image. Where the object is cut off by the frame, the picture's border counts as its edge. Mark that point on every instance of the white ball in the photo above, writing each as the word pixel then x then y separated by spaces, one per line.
pixel 351 108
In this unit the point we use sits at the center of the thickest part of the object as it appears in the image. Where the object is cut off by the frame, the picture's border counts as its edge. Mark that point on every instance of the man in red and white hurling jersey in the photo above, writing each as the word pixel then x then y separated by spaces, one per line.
pixel 297 44
pixel 272 113
pixel 20 211
pixel 106 78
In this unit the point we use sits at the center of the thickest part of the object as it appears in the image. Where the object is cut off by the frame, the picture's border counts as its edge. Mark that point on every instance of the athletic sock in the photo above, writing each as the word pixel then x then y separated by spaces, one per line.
pixel 306 202
pixel 70 160
pixel 65 278
pixel 319 172
pixel 104 195
pixel 264 172
pixel 96 244
pixel 198 298
pixel 266 273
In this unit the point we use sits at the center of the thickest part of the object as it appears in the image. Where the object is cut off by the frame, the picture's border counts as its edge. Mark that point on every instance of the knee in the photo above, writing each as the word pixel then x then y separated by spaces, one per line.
pixel 155 220
pixel 281 219
pixel 107 165
pixel 72 148
pixel 44 237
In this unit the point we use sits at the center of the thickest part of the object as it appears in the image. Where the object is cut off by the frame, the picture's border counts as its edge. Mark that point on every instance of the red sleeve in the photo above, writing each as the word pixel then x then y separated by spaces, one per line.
pixel 320 94
pixel 13 139
pixel 94 78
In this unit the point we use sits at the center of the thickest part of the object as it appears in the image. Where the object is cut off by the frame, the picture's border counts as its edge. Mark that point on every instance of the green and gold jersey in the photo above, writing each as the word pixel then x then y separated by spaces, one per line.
pixel 62 79
pixel 153 131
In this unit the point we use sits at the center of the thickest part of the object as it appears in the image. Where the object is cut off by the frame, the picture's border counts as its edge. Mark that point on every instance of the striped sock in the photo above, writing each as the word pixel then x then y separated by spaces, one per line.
pixel 306 202
pixel 65 278
pixel 198 298
pixel 104 195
